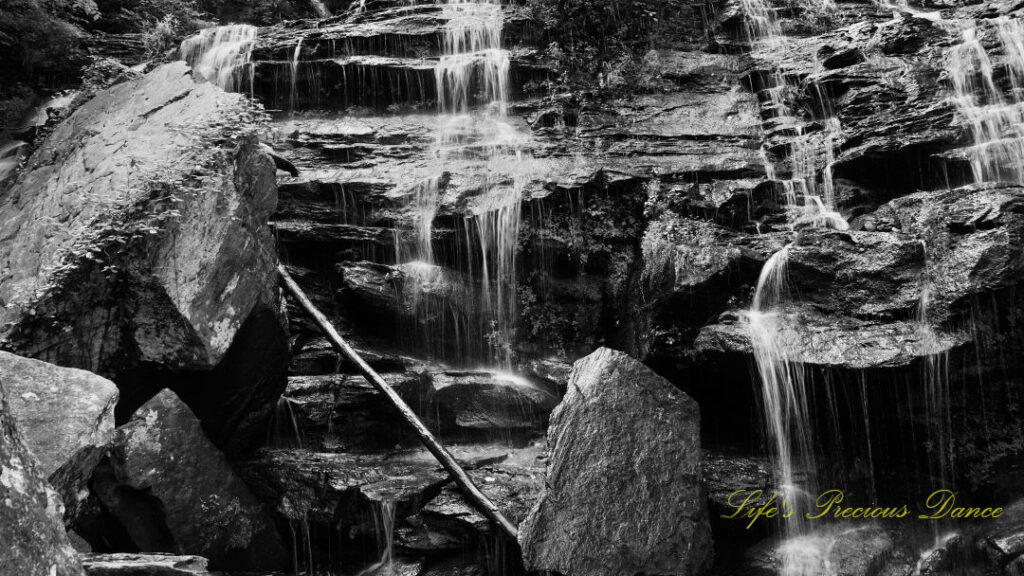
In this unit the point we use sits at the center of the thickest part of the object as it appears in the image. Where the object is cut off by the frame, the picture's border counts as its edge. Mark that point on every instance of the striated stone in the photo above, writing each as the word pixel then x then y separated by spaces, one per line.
pixel 622 491
pixel 128 564
pixel 173 491
pixel 33 536
pixel 346 488
pixel 483 401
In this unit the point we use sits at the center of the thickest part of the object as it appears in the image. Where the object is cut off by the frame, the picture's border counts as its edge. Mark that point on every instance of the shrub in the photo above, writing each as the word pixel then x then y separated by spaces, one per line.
pixel 607 42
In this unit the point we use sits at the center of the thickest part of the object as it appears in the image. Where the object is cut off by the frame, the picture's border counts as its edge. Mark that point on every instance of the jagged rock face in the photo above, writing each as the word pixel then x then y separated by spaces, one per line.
pixel 135 243
pixel 31 525
pixel 67 419
pixel 173 491
pixel 622 492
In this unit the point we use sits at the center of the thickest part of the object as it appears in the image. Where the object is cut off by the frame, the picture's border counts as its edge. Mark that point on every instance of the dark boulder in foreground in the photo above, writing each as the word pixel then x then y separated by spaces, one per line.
pixel 623 488
pixel 31 525
pixel 135 245
pixel 173 491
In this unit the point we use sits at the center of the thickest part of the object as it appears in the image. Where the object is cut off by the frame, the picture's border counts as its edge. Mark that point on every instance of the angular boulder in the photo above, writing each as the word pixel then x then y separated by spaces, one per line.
pixel 31 527
pixel 135 245
pixel 67 419
pixel 173 491
pixel 623 484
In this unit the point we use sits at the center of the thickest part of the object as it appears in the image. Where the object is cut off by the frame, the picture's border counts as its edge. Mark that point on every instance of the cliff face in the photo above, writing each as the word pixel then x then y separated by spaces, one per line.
pixel 808 216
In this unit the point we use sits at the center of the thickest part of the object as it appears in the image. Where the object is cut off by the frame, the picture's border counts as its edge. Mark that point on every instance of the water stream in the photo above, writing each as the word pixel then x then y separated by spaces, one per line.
pixel 222 55
pixel 991 106
pixel 472 77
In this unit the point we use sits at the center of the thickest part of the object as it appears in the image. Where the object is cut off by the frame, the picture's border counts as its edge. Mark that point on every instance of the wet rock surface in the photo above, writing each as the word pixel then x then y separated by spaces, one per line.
pixel 173 491
pixel 853 551
pixel 125 564
pixel 602 510
pixel 31 513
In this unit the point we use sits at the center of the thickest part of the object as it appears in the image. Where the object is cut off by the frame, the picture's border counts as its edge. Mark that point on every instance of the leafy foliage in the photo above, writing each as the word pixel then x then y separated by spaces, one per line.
pixel 35 35
pixel 608 41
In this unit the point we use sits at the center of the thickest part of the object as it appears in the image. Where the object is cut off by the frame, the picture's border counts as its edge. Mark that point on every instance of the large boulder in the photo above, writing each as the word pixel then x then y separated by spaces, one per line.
pixel 623 487
pixel 135 245
pixel 173 491
pixel 31 527
pixel 67 418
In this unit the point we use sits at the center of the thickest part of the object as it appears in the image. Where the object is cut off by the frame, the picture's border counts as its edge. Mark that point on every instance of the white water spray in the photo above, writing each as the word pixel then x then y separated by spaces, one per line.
pixel 993 113
pixel 217 54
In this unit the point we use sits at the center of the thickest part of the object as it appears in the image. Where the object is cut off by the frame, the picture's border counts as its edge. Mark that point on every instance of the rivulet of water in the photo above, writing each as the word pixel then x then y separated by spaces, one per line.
pixel 993 111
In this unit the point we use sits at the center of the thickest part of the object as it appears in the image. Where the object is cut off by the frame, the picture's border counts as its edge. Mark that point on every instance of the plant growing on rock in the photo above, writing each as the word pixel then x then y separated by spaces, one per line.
pixel 605 42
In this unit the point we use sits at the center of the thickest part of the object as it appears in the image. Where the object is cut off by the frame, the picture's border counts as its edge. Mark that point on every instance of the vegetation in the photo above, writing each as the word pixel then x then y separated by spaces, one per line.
pixel 607 43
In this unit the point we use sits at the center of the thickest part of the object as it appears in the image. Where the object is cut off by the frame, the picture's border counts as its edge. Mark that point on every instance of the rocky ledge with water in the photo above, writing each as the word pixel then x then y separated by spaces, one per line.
pixel 628 264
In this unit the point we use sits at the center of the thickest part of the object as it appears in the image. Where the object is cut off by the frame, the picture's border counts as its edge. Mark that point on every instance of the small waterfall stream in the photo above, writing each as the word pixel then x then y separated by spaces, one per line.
pixel 993 111
pixel 472 77
pixel 219 53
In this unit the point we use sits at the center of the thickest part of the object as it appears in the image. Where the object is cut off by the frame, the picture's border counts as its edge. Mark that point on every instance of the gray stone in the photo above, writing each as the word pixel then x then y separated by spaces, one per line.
pixel 127 564
pixel 31 527
pixel 175 492
pixel 59 410
pixel 622 491
pixel 135 241
pixel 67 418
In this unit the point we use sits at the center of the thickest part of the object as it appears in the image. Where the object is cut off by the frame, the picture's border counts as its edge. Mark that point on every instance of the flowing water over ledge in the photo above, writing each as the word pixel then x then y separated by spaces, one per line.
pixel 462 273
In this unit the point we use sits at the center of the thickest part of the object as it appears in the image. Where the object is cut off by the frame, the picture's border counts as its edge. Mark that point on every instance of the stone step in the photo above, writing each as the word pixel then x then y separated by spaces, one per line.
pixel 344 412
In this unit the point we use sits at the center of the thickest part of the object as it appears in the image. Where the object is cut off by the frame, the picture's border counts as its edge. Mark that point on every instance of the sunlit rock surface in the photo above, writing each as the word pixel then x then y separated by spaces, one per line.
pixel 31 525
pixel 135 245
pixel 66 417
pixel 623 485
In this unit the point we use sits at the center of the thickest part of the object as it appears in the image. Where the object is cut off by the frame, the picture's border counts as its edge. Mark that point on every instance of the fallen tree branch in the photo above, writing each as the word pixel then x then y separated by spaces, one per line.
pixel 465 483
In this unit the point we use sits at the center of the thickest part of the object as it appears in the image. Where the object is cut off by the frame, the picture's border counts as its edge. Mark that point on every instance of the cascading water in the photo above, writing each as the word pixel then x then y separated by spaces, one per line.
pixel 384 527
pixel 783 384
pixel 293 92
pixel 811 153
pixel 784 393
pixel 10 156
pixel 994 112
pixel 218 54
pixel 472 78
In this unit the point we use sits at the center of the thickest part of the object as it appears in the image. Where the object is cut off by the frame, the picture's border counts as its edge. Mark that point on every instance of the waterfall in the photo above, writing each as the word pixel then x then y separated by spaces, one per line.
pixel 811 154
pixel 935 381
pixel 293 91
pixel 10 157
pixel 384 528
pixel 783 383
pixel 217 53
pixel 472 46
pixel 474 136
pixel 994 113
